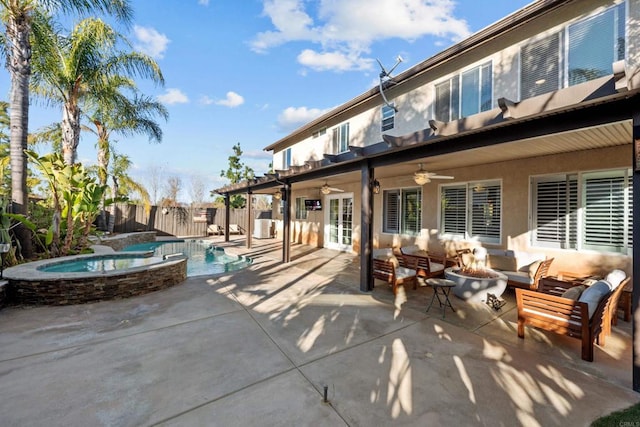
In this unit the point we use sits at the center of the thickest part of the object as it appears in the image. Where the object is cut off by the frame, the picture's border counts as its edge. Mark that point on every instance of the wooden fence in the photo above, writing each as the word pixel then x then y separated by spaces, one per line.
pixel 177 221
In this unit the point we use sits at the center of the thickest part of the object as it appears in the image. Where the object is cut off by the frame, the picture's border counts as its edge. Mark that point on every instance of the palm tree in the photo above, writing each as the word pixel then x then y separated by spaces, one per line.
pixel 118 114
pixel 20 18
pixel 82 68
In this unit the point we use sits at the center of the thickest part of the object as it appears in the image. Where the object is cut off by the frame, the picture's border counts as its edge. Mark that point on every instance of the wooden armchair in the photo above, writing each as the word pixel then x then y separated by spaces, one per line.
pixel 566 316
pixel 428 264
pixel 396 271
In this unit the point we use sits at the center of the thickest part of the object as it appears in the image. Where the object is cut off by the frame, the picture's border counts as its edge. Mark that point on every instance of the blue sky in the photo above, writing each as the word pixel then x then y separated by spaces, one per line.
pixel 251 71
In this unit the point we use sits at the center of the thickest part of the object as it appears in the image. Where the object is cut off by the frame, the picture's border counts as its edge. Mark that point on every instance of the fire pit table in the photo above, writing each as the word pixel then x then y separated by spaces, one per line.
pixel 473 285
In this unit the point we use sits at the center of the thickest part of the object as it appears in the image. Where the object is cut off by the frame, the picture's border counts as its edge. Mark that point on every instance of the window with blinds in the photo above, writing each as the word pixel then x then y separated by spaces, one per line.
pixel 485 212
pixel 539 66
pixel 594 44
pixel 555 217
pixel 388 118
pixel 472 209
pixel 454 210
pixel 582 51
pixel 402 211
pixel 588 211
pixel 605 219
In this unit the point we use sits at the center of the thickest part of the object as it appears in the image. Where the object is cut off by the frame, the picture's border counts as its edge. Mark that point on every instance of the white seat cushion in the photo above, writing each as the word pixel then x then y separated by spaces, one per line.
pixel 518 276
pixel 404 273
pixel 435 267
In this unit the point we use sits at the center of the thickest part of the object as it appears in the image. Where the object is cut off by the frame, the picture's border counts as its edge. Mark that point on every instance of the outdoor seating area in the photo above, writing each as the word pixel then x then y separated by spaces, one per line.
pixel 583 311
pixel 291 321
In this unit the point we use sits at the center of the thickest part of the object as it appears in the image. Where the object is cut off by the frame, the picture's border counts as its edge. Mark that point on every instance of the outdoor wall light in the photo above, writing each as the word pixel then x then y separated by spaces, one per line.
pixel 376 186
pixel 277 195
pixel 165 211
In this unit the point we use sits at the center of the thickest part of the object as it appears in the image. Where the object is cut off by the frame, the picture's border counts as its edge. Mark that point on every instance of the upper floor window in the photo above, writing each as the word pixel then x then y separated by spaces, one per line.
pixel 591 210
pixel 340 139
pixel 472 210
pixel 582 51
pixel 465 94
pixel 301 210
pixel 388 117
pixel 286 158
pixel 319 132
pixel 402 211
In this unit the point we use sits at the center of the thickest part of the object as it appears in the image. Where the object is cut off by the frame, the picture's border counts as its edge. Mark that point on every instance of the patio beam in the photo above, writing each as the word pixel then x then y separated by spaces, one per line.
pixel 249 219
pixel 286 223
pixel 227 215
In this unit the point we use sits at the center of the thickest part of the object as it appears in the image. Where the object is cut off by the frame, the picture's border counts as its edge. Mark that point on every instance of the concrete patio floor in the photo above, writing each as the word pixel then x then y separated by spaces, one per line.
pixel 258 346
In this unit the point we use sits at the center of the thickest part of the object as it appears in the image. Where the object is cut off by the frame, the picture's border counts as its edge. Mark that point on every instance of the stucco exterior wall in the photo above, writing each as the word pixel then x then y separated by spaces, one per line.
pixel 516 205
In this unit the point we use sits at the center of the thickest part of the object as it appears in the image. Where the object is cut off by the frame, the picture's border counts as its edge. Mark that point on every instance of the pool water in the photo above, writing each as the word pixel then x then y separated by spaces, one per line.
pixel 98 265
pixel 202 256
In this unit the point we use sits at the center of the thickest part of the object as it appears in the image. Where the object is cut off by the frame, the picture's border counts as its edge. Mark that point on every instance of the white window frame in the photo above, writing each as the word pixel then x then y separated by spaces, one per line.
pixel 301 210
pixel 586 211
pixel 456 90
pixel 286 158
pixel 401 225
pixel 387 117
pixel 564 43
pixel 476 216
pixel 340 139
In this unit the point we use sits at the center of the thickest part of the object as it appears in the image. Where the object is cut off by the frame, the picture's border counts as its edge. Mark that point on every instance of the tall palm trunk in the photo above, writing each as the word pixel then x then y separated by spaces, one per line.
pixel 103 167
pixel 70 132
pixel 113 207
pixel 18 30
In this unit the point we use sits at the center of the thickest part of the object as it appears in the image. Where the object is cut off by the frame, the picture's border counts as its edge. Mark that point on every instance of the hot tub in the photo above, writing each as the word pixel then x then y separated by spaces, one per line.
pixel 90 278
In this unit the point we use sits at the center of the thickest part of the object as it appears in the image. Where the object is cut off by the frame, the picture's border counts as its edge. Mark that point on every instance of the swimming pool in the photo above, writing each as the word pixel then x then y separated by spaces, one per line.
pixel 98 264
pixel 202 256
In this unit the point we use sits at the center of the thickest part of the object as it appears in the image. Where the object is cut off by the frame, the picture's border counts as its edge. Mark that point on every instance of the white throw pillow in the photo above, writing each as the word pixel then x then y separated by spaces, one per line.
pixel 615 278
pixel 594 293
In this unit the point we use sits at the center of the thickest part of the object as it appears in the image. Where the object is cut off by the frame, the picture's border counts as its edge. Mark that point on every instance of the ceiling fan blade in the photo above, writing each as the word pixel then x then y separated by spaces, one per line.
pixel 337 190
pixel 441 177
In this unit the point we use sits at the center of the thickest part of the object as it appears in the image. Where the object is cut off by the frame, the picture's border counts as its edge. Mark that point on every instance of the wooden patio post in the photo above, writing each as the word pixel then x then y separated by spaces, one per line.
pixel 248 216
pixel 227 215
pixel 286 224
pixel 635 330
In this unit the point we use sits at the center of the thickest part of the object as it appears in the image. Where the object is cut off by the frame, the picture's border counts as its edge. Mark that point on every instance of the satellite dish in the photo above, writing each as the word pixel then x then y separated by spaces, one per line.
pixel 386 78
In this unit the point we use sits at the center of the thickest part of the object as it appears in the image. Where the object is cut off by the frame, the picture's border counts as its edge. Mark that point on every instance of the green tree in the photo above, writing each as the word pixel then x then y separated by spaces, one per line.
pixel 124 186
pixel 21 19
pixel 237 172
pixel 82 69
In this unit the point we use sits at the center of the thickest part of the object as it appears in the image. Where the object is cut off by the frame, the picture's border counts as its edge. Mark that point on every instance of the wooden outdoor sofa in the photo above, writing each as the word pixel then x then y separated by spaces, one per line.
pixel 550 308
pixel 395 270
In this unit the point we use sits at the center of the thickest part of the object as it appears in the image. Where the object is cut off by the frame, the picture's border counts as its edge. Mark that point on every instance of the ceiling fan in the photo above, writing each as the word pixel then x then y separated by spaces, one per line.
pixel 422 177
pixel 325 189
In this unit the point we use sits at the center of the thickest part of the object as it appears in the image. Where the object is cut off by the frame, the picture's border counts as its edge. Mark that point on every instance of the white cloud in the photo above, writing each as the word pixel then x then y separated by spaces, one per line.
pixel 173 96
pixel 232 100
pixel 150 41
pixel 346 29
pixel 292 118
pixel 203 2
pixel 205 100
pixel 335 61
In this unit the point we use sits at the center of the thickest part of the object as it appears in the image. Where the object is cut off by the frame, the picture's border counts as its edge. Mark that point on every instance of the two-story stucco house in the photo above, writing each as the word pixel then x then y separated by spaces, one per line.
pixel 530 126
